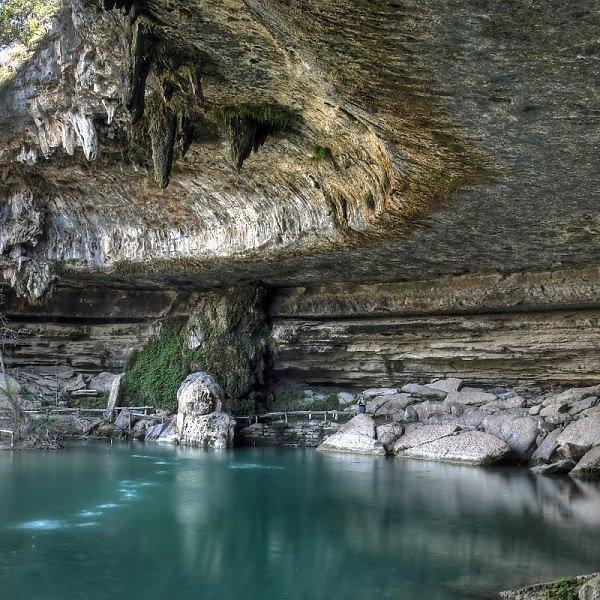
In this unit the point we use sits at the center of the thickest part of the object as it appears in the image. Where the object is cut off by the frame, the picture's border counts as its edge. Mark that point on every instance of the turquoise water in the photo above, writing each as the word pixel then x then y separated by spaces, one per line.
pixel 155 522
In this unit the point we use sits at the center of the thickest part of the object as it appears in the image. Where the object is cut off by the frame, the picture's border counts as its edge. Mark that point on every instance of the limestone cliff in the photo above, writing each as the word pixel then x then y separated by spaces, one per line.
pixel 446 150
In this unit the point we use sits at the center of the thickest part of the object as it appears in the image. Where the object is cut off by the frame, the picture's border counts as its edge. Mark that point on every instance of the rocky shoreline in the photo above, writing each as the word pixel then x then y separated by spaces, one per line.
pixel 551 432
pixel 582 587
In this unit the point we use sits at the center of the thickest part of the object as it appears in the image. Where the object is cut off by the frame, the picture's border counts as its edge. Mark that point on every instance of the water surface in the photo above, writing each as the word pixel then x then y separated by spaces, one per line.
pixel 154 522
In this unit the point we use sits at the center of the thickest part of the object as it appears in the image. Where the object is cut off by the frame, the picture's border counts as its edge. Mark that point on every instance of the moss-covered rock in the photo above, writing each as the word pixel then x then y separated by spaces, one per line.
pixel 226 336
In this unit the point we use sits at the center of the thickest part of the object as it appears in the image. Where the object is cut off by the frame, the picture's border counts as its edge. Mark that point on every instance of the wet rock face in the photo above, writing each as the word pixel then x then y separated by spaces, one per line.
pixel 407 138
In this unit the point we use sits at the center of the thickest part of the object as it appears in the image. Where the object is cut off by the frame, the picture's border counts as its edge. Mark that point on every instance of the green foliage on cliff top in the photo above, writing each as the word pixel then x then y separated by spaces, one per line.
pixel 24 21
pixel 154 373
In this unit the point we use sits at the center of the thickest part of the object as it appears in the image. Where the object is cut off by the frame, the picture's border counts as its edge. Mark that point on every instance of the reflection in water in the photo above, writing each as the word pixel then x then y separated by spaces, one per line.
pixel 265 523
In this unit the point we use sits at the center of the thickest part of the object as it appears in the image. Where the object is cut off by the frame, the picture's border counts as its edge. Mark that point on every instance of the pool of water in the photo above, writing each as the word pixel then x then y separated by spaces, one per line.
pixel 154 522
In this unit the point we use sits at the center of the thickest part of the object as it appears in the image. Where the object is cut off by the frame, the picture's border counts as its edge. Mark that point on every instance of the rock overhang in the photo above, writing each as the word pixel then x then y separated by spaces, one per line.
pixel 420 140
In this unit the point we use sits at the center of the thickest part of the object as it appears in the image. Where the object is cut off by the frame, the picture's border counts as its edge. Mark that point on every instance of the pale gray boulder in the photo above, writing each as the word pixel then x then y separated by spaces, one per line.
pixel 471 447
pixel 471 419
pixel 388 433
pixel 423 391
pixel 505 404
pixel 579 437
pixel 356 436
pixel 422 411
pixel 590 590
pixel 423 435
pixel 560 467
pixel 125 420
pixel 212 430
pixel 589 465
pixel 519 432
pixel 581 405
pixel 394 404
pixel 572 395
pixel 475 398
pixel 546 450
pixel 201 420
pixel 102 382
pixel 450 384
pixel 371 393
pixel 163 432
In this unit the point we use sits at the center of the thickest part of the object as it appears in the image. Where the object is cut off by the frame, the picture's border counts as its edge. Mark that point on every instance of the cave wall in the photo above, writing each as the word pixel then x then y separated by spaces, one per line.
pixel 536 329
pixel 533 329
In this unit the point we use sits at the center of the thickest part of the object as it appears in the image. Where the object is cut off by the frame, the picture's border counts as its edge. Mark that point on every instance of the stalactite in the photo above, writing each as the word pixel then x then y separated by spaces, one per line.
pixel 163 126
pixel 246 135
pixel 141 51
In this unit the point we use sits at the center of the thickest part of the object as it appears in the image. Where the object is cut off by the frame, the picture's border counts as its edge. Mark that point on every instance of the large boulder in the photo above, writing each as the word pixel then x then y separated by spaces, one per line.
pixel 471 419
pixel 505 404
pixel 450 384
pixel 356 436
pixel 423 391
pixel 572 395
pixel 371 393
pixel 471 447
pixel 476 398
pixel 519 432
pixel 163 432
pixel 200 394
pixel 578 437
pixel 423 435
pixel 546 451
pixel 103 381
pixel 214 430
pixel 422 411
pixel 590 590
pixel 201 420
pixel 388 433
pixel 125 420
pixel 589 465
pixel 560 467
pixel 394 404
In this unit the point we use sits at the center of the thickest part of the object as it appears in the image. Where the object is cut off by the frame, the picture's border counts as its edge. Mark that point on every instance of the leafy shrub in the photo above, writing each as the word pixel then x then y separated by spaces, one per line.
pixel 561 589
pixel 24 21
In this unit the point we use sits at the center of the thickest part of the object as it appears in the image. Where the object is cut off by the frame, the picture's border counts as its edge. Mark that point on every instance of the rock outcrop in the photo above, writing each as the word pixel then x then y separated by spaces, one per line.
pixel 357 436
pixel 201 420
pixel 472 447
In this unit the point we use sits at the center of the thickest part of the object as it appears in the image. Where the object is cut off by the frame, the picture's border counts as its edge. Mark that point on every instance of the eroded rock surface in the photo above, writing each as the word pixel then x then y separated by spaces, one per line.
pixel 201 420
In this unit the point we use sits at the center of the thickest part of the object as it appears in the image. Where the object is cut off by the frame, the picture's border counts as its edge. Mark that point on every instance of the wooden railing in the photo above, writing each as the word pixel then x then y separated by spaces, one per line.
pixel 333 415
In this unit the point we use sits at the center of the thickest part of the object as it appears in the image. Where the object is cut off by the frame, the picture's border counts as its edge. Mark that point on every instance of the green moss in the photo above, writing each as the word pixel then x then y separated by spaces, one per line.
pixel 369 201
pixel 321 152
pixel 561 589
pixel 232 351
pixel 153 374
pixel 276 117
pixel 98 401
pixel 234 343
pixel 292 397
